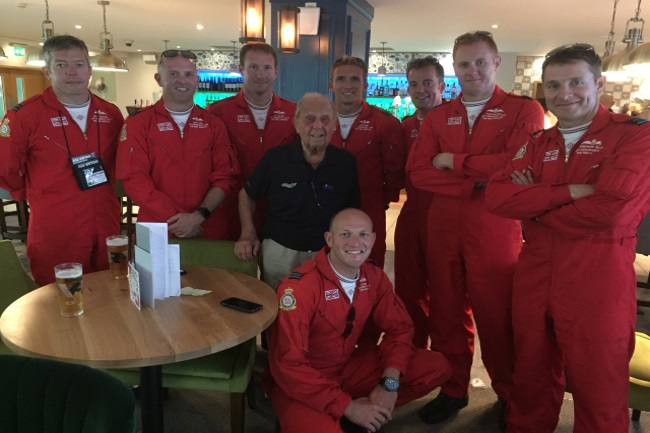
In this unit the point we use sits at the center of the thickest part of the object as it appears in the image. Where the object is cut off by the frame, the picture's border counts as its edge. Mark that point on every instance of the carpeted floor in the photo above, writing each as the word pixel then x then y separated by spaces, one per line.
pixel 206 412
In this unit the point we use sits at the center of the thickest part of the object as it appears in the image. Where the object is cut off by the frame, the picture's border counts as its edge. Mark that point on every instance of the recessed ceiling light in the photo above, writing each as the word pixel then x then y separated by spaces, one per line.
pixel 212 49
pixel 77 26
pixel 199 27
pixel 41 44
pixel 178 46
pixel 495 26
pixel 139 50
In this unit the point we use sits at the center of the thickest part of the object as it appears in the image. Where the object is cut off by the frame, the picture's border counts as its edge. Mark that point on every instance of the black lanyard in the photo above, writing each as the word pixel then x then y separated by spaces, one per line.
pixel 65 136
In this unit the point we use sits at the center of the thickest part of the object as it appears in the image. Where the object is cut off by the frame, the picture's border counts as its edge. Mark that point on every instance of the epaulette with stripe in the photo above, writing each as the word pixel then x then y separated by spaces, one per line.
pixel 636 120
pixel 295 275
pixel 536 133
pixel 17 107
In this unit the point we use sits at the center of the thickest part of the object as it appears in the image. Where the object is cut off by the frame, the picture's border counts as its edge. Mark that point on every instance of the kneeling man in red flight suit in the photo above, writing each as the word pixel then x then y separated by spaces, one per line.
pixel 318 376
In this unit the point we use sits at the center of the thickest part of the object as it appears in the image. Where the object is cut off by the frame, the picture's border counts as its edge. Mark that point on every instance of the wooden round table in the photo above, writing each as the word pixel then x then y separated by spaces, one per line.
pixel 112 332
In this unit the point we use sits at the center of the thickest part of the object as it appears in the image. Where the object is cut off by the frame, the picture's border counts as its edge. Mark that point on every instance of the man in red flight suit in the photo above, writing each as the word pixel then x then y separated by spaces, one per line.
pixel 375 138
pixel 257 120
pixel 426 82
pixel 581 190
pixel 319 378
pixel 471 252
pixel 174 159
pixel 38 140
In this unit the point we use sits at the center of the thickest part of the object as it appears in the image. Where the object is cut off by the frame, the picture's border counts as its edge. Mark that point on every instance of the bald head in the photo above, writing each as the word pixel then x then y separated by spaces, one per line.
pixel 350 214
pixel 350 240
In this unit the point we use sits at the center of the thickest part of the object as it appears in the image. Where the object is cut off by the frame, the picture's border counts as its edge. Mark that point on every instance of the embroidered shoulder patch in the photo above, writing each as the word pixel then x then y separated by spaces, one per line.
pixel 295 275
pixel 288 301
pixel 123 133
pixel 4 128
pixel 521 152
pixel 17 107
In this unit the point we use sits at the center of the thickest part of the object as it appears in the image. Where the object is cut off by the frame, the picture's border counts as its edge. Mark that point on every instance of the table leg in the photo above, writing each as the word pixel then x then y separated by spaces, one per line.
pixel 151 399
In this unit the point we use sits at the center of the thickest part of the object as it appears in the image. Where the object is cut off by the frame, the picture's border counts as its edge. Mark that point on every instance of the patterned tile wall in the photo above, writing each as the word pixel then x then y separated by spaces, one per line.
pixel 217 60
pixel 529 70
pixel 396 62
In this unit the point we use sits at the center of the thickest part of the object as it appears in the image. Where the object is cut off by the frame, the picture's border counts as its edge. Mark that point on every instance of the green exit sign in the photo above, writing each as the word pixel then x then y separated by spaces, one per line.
pixel 19 51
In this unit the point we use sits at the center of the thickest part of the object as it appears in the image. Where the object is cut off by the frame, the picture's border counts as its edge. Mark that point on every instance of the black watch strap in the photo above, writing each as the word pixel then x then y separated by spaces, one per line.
pixel 205 213
pixel 389 384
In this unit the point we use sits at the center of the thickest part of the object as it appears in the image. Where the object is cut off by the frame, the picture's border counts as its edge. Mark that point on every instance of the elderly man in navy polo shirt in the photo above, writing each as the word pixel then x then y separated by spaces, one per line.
pixel 305 183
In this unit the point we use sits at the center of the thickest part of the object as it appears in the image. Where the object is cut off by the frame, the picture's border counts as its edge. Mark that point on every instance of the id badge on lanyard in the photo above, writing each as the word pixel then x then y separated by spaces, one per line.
pixel 88 170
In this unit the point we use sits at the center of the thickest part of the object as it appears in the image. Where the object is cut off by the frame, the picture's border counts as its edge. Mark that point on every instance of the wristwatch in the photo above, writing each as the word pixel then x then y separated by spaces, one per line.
pixel 389 384
pixel 204 212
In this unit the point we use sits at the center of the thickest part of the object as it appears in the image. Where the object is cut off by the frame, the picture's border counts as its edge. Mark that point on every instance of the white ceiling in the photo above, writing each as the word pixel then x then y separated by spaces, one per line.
pixel 525 26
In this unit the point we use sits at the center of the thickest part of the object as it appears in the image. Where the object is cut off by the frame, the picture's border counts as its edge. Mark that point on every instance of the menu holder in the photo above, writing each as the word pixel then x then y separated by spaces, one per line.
pixel 157 262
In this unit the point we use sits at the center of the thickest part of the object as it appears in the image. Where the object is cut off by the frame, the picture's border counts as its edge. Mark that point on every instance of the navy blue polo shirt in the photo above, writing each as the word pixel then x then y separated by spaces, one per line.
pixel 302 200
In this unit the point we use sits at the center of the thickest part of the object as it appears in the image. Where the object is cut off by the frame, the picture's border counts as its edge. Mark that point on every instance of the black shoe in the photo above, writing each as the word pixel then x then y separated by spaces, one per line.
pixel 441 408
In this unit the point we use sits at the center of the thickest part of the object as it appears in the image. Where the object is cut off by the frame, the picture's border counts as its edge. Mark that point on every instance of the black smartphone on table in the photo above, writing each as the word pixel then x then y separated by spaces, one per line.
pixel 241 305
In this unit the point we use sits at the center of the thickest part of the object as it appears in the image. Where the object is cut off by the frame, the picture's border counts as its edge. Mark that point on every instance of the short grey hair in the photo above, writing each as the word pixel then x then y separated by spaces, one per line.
pixel 61 43
pixel 311 96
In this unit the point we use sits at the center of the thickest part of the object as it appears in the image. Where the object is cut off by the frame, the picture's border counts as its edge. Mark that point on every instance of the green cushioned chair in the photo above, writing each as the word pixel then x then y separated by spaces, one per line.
pixel 45 396
pixel 228 371
pixel 639 396
pixel 14 281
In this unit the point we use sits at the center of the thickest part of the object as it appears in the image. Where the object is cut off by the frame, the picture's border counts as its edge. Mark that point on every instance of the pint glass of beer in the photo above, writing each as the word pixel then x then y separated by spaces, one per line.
pixel 69 284
pixel 118 252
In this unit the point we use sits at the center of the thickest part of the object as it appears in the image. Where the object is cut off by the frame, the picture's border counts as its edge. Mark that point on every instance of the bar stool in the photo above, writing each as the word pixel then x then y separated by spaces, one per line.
pixel 21 211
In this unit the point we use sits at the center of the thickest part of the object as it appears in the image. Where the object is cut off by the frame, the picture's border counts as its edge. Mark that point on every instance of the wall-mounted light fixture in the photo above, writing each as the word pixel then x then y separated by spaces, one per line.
pixel 252 21
pixel 107 61
pixel 381 71
pixel 288 30
pixel 3 56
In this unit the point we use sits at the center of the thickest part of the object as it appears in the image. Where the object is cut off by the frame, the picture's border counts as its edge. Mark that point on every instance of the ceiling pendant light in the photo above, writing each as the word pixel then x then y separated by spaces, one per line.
pixel 35 57
pixel 613 65
pixel 233 64
pixel 381 71
pixel 107 61
pixel 638 60
pixel 610 43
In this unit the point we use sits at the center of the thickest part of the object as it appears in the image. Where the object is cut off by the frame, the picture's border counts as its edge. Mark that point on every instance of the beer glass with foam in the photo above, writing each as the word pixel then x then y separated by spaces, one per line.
pixel 118 251
pixel 69 282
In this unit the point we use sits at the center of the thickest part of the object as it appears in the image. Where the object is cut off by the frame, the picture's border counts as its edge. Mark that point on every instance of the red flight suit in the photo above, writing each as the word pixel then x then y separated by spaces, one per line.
pixel 315 371
pixel 574 297
pixel 377 141
pixel 166 171
pixel 471 252
pixel 66 224
pixel 251 144
pixel 411 279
